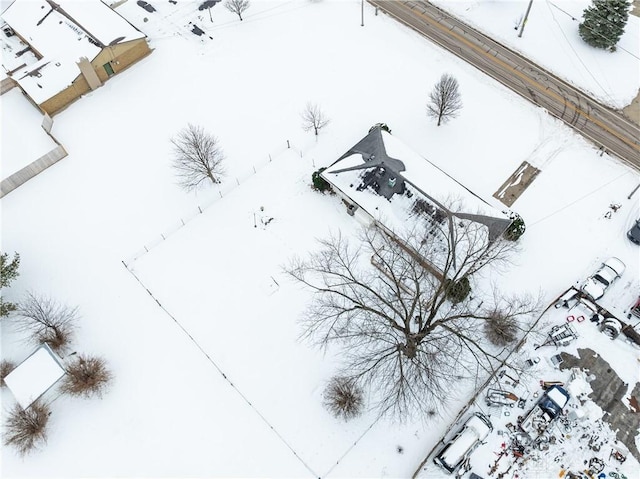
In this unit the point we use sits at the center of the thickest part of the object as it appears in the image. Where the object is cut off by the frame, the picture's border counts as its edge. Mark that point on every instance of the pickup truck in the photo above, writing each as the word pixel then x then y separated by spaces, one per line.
pixel 548 408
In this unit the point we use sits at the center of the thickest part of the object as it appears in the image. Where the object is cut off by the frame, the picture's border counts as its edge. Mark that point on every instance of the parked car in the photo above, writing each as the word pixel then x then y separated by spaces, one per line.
pixel 458 449
pixel 596 285
pixel 147 6
pixel 634 233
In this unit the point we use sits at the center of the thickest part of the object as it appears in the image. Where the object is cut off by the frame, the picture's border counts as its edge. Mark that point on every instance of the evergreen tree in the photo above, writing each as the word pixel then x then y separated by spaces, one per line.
pixel 604 23
pixel 8 272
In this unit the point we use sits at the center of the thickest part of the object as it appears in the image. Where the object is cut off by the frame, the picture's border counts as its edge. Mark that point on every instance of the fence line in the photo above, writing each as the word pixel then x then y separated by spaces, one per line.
pixel 33 169
pixel 222 190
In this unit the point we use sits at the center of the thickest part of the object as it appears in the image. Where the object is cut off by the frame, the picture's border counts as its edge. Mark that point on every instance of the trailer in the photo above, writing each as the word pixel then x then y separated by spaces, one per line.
pixel 499 397
pixel 560 335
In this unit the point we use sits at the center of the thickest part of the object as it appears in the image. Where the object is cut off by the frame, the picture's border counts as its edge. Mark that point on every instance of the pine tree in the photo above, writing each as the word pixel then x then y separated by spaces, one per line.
pixel 8 272
pixel 604 23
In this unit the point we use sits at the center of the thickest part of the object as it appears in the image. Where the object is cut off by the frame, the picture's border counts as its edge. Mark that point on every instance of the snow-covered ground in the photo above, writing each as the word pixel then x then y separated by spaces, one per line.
pixel 23 139
pixel 227 306
pixel 550 38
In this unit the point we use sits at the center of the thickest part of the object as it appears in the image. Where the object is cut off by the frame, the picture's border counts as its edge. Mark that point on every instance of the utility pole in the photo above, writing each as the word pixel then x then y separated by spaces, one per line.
pixel 524 21
pixel 362 13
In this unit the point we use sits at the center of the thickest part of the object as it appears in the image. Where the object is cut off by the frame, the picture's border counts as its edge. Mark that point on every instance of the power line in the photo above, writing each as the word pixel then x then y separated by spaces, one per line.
pixel 544 218
pixel 618 47
pixel 576 53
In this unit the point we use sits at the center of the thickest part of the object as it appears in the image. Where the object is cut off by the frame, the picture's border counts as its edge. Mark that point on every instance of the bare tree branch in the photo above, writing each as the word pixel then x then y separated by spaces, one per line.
pixel 197 157
pixel 47 321
pixel 237 6
pixel 444 99
pixel 313 118
pixel 399 333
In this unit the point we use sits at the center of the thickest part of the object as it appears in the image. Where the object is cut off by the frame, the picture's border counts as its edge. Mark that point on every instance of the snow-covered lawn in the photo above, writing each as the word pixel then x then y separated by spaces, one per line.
pixel 170 412
pixel 23 139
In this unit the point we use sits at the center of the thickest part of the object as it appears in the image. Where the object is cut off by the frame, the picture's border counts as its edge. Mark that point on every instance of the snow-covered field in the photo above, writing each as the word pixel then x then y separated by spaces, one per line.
pixel 23 139
pixel 228 308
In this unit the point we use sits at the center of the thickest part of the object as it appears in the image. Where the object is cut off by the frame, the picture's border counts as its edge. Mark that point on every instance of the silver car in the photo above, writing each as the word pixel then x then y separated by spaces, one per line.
pixel 596 285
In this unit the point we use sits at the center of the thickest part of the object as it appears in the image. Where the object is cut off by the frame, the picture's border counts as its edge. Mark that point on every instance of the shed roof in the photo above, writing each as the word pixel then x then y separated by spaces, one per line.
pixel 34 376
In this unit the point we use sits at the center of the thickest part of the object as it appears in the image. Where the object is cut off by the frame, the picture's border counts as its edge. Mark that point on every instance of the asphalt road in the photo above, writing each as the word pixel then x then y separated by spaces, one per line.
pixel 602 125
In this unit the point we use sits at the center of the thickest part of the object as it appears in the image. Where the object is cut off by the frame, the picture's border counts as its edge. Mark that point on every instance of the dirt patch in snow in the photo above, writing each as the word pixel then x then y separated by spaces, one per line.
pixel 511 189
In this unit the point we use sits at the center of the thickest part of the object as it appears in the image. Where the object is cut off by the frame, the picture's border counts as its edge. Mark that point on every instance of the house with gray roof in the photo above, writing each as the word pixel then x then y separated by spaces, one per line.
pixel 382 181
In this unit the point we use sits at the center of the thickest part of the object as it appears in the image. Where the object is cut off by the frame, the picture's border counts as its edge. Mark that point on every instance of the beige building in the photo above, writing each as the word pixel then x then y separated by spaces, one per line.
pixel 56 51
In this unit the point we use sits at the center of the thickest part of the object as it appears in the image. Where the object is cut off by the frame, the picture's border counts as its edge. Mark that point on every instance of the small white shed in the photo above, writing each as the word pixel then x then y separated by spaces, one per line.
pixel 35 376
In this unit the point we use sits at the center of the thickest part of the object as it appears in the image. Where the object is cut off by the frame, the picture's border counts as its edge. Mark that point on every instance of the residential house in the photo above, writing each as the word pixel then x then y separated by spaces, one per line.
pixel 382 181
pixel 66 48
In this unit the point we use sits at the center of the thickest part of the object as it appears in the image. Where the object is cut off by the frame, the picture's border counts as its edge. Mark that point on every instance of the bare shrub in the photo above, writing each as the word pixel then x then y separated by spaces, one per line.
pixel 343 398
pixel 501 328
pixel 47 321
pixel 87 376
pixel 5 368
pixel 26 429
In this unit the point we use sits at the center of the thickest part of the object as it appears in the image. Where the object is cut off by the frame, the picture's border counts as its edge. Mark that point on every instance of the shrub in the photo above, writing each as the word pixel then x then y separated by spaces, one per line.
pixel 5 368
pixel 501 329
pixel 86 376
pixel 26 429
pixel 47 321
pixel 319 183
pixel 458 290
pixel 58 339
pixel 516 228
pixel 343 398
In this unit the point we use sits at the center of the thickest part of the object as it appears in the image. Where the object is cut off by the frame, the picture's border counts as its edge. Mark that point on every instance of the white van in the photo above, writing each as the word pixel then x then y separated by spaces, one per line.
pixel 473 432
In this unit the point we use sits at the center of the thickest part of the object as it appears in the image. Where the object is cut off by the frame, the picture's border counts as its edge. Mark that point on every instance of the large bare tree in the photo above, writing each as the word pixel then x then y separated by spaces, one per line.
pixel 313 118
pixel 444 99
pixel 237 6
pixel 387 303
pixel 197 157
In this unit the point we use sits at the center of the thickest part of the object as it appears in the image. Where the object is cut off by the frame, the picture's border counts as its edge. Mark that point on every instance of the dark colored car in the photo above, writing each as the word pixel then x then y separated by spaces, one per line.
pixel 634 233
pixel 148 7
